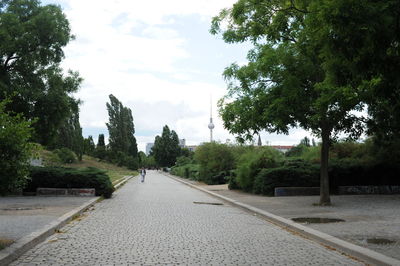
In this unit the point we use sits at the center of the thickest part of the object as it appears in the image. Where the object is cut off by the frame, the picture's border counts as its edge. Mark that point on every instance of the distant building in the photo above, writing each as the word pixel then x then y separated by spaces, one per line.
pixel 192 148
pixel 149 146
pixel 182 143
pixel 281 148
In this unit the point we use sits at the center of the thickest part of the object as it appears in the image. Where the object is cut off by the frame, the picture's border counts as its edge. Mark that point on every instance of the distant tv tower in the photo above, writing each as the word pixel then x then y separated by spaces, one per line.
pixel 211 124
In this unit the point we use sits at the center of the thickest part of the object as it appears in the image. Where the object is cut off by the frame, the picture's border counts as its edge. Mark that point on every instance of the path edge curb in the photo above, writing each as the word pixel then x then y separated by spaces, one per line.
pixel 124 181
pixel 364 254
pixel 25 243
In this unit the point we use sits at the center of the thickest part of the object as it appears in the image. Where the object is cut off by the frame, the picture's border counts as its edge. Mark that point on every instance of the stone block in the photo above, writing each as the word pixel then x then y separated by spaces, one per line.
pixel 81 192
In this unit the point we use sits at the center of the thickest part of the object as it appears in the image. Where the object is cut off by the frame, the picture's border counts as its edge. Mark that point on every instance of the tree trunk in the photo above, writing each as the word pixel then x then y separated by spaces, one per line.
pixel 324 185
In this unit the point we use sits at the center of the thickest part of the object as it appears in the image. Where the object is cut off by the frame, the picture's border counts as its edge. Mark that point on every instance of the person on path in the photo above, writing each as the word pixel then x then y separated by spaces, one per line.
pixel 143 173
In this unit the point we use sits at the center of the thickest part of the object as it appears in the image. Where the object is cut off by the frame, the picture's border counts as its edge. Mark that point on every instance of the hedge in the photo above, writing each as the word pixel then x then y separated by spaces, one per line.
pixel 286 176
pixel 354 173
pixel 59 177
pixel 341 173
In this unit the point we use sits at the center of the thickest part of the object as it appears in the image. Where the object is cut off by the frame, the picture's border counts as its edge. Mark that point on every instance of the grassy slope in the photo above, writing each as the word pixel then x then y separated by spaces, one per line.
pixel 113 171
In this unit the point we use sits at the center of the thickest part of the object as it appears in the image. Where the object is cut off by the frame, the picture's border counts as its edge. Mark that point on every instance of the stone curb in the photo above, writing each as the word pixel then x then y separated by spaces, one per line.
pixel 364 254
pixel 125 179
pixel 22 245
pixel 25 243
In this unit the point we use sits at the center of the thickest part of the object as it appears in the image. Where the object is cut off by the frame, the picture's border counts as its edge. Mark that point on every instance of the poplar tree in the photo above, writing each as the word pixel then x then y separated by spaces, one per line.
pixel 166 148
pixel 121 129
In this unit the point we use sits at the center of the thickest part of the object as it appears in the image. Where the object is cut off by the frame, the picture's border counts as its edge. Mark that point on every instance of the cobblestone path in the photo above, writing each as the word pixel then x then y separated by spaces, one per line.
pixel 157 222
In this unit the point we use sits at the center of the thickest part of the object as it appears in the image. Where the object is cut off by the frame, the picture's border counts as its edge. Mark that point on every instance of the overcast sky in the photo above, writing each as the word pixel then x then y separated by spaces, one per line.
pixel 158 58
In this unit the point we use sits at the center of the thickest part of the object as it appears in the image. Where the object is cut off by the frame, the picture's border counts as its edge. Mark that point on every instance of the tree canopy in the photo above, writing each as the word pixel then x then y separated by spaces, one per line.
pixel 69 135
pixel 122 142
pixel 31 41
pixel 166 148
pixel 121 128
pixel 293 76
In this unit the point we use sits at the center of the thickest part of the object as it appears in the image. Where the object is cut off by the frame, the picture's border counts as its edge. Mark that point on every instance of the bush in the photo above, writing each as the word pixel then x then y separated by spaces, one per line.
pixel 214 159
pixel 232 183
pixel 190 171
pixel 59 177
pixel 252 162
pixel 15 150
pixel 66 155
pixel 292 174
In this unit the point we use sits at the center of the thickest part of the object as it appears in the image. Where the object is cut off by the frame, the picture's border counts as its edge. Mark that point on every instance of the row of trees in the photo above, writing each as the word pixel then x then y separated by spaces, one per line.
pixel 316 64
pixel 36 96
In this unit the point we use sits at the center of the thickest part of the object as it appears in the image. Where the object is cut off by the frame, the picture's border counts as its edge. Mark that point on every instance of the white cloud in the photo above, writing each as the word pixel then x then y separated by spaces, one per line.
pixel 131 49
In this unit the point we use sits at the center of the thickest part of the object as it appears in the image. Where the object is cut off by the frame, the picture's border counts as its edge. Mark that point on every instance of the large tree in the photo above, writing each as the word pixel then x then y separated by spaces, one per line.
pixel 362 48
pixel 166 147
pixel 31 41
pixel 286 82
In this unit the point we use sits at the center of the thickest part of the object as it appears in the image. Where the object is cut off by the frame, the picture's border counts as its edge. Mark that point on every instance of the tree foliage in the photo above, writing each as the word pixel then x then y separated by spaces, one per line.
pixel 121 128
pixel 215 160
pixel 166 148
pixel 88 146
pixel 69 135
pixel 122 142
pixel 15 150
pixel 288 81
pixel 31 41
pixel 362 49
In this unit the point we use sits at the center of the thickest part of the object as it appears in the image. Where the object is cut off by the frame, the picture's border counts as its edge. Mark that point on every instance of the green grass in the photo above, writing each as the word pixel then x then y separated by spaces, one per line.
pixel 113 171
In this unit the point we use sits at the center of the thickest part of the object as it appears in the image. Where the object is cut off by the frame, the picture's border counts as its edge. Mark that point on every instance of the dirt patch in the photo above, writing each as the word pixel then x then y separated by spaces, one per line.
pixel 4 242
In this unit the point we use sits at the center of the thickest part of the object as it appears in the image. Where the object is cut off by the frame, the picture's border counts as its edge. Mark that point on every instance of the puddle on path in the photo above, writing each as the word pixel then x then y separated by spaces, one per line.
pixel 316 220
pixel 208 203
pixel 21 209
pixel 380 241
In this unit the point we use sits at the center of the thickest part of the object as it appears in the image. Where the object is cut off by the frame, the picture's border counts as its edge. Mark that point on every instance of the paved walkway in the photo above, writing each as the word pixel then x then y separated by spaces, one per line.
pixel 157 222
pixel 366 217
pixel 20 216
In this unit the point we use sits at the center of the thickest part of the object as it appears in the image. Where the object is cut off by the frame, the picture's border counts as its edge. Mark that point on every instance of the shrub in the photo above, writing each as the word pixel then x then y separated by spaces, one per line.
pixel 292 174
pixel 15 150
pixel 214 159
pixel 311 154
pixel 66 155
pixel 190 171
pixel 252 162
pixel 232 183
pixel 59 177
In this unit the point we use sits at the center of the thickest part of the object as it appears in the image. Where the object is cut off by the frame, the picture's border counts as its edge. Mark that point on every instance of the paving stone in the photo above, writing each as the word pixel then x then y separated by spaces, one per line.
pixel 156 222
